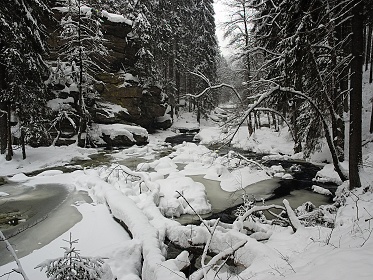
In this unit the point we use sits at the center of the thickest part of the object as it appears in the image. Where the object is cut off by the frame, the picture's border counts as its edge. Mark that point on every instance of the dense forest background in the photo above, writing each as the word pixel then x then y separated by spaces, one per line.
pixel 300 61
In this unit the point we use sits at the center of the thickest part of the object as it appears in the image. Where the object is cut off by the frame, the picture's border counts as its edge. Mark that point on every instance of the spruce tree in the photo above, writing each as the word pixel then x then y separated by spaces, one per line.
pixel 22 92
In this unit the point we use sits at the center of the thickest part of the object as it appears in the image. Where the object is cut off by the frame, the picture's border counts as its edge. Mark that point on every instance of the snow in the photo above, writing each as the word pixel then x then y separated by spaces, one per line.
pixel 58 104
pixel 187 122
pixel 130 77
pixel 327 175
pixel 112 243
pixel 114 130
pixel 147 201
pixel 111 109
pixel 281 143
pixel 321 190
pixel 43 157
pixel 115 18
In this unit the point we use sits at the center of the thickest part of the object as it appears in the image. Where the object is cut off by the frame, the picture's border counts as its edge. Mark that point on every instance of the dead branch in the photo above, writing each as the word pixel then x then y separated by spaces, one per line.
pixel 227 252
pixel 14 255
pixel 199 216
pixel 257 209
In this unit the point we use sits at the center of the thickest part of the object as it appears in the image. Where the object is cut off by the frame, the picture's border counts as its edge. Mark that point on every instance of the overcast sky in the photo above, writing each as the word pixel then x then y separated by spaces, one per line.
pixel 221 16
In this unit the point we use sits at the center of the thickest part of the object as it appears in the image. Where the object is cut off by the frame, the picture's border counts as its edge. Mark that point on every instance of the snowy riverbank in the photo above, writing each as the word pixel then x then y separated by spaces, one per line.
pixel 309 253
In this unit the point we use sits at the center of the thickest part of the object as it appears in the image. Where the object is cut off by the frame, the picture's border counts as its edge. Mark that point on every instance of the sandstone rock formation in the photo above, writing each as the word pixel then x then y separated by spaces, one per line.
pixel 121 100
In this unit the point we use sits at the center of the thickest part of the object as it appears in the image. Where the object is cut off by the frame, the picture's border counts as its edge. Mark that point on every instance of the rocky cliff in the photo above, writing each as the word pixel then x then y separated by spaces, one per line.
pixel 120 99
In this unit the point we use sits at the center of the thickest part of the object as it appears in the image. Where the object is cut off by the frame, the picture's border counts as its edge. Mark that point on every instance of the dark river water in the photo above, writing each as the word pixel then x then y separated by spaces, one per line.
pixel 45 212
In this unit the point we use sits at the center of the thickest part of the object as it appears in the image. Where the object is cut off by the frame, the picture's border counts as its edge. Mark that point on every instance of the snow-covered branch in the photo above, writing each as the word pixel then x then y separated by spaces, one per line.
pixel 212 87
pixel 9 247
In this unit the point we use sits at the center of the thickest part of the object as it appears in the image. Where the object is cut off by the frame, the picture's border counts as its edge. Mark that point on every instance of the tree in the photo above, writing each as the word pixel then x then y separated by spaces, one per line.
pixel 76 267
pixel 22 70
pixel 81 39
pixel 355 151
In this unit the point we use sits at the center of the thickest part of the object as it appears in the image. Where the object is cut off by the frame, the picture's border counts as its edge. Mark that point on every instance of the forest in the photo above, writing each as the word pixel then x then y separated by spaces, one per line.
pixel 307 56
pixel 50 44
pixel 81 75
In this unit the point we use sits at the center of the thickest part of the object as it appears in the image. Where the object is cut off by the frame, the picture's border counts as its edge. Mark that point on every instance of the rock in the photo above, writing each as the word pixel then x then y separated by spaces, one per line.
pixel 118 135
pixel 121 100
pixel 143 107
pixel 163 123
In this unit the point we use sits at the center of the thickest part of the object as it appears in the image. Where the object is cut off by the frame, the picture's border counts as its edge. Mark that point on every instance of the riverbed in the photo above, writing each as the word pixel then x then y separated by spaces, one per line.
pixel 45 212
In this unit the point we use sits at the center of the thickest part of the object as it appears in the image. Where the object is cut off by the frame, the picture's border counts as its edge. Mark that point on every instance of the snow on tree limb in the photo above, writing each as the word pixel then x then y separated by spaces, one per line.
pixel 154 266
pixel 294 221
pixel 212 87
pixel 258 208
pixel 199 274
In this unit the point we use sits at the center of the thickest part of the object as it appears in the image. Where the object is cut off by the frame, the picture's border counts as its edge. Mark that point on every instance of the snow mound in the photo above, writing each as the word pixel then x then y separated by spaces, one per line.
pixel 172 204
pixel 328 175
pixel 115 17
pixel 321 190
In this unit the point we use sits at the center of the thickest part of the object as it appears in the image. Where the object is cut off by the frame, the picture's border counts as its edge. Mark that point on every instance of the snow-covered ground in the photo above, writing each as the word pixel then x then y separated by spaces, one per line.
pixel 345 252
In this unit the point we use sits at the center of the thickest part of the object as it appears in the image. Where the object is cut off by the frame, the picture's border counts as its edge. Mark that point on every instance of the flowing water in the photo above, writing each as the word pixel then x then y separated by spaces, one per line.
pixel 43 213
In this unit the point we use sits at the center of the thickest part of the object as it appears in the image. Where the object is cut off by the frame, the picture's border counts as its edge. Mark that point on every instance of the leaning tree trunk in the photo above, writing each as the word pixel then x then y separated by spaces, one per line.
pixel 355 150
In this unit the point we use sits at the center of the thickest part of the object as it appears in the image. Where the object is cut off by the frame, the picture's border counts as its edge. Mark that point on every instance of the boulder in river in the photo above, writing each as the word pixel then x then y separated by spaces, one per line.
pixel 118 135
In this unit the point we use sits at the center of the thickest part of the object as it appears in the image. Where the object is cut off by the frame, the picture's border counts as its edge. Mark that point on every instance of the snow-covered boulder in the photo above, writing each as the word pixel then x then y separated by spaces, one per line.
pixel 117 135
pixel 328 175
pixel 172 204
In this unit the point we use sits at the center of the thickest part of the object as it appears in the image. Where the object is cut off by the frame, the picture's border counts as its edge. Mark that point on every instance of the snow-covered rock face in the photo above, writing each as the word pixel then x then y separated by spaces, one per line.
pixel 122 101
pixel 145 107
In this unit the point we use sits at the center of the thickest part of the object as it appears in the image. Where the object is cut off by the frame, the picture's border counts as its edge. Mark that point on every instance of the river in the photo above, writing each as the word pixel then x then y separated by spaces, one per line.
pixel 45 212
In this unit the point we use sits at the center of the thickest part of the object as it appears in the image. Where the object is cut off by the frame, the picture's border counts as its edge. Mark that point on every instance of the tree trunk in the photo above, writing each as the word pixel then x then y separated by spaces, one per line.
pixel 3 127
pixel 81 106
pixel 297 141
pixel 198 112
pixel 178 89
pixel 23 143
pixel 371 67
pixel 369 46
pixel 3 113
pixel 371 57
pixel 336 111
pixel 9 155
pixel 250 126
pixel 355 150
pixel 371 119
pixel 274 122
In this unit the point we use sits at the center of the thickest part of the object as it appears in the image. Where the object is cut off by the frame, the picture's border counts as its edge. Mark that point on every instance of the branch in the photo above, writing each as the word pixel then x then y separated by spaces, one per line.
pixel 252 161
pixel 211 87
pixel 199 216
pixel 294 221
pixel 259 208
pixel 227 252
pixel 14 255
pixel 204 267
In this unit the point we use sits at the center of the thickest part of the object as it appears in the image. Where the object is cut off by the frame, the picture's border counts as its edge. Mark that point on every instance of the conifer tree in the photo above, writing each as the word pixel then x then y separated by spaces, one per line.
pixel 81 40
pixel 22 71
